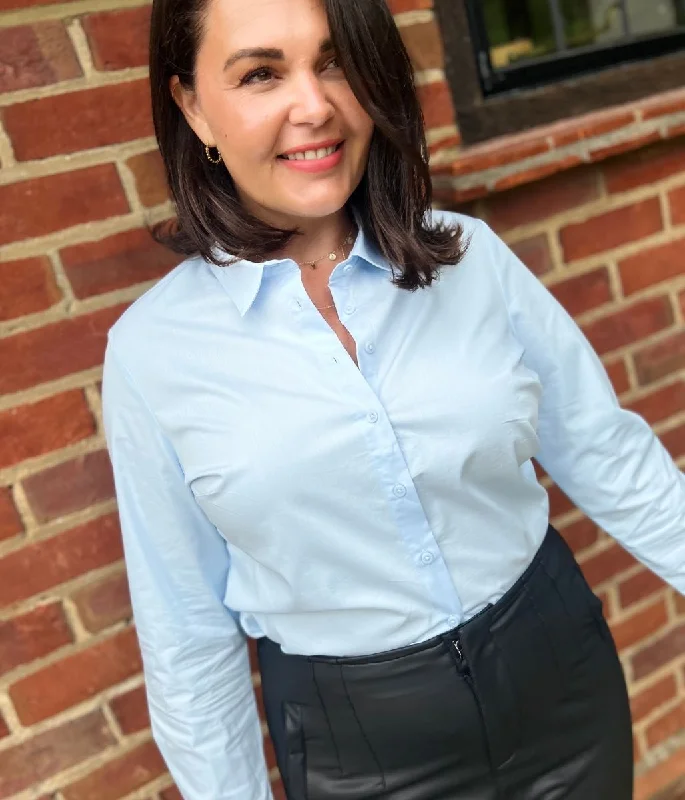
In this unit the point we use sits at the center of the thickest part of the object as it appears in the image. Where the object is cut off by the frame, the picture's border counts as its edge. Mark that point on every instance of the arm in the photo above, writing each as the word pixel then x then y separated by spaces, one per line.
pixel 606 459
pixel 202 706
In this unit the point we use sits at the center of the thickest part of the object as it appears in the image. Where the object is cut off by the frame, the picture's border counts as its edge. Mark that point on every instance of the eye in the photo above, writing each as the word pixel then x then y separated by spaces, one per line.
pixel 333 63
pixel 260 75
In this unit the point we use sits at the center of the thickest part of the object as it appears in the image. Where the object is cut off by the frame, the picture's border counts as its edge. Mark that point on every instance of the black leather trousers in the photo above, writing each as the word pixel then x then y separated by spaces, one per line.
pixel 526 701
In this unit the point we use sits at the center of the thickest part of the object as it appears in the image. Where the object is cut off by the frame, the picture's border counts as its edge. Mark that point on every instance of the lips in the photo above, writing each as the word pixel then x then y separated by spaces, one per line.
pixel 313 151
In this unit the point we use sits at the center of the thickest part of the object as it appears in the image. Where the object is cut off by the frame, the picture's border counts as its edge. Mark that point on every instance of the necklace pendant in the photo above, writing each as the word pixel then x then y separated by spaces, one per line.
pixel 332 256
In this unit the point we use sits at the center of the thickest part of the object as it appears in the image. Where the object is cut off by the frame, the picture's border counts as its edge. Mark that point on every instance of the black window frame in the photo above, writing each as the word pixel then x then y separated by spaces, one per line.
pixel 551 88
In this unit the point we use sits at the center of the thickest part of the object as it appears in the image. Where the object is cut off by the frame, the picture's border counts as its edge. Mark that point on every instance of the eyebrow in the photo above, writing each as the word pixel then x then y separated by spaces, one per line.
pixel 271 53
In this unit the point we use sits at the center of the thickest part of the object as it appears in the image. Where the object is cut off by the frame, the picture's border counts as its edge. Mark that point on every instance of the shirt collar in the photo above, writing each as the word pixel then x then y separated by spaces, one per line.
pixel 242 280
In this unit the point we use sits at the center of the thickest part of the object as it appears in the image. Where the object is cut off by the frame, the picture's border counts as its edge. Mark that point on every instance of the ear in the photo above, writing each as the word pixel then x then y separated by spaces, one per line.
pixel 187 100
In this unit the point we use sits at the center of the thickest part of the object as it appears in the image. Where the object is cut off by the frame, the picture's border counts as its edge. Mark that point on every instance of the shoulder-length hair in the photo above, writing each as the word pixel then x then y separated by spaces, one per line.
pixel 394 195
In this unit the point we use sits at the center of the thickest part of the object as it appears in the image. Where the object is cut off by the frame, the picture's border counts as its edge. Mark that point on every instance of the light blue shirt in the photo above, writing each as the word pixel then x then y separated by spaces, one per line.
pixel 267 485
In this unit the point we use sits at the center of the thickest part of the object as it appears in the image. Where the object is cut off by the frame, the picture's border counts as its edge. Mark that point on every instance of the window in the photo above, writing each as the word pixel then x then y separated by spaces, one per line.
pixel 562 57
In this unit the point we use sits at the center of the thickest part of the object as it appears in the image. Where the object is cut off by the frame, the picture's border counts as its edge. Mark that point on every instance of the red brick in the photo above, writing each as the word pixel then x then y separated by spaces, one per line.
pixel 652 697
pixel 37 428
pixel 150 176
pixel 104 603
pixel 424 45
pixel 629 324
pixel 436 102
pixel 559 503
pixel 679 603
pixel 676 199
pixel 119 777
pixel 580 535
pixel 611 229
pixel 639 586
pixel 501 151
pixel 33 635
pixel 618 375
pixel 667 725
pixel 118 39
pixel 71 486
pixel 658 360
pixel 6 5
pixel 124 259
pixel 667 648
pixel 646 166
pixel 584 292
pixel 4 730
pixel 674 441
pixel 400 7
pixel 171 793
pixel 10 521
pixel 131 711
pixel 89 118
pixel 36 55
pixel 589 126
pixel 607 565
pixel 56 350
pixel 661 404
pixel 654 779
pixel 534 174
pixel 40 206
pixel 50 562
pixel 26 287
pixel 541 200
pixel 660 106
pixel 535 253
pixel 634 143
pixel 652 265
pixel 76 678
pixel 278 790
pixel 45 754
pixel 643 623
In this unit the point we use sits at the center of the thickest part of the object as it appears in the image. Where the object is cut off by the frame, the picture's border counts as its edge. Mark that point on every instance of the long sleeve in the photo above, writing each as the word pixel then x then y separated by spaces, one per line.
pixel 605 458
pixel 202 706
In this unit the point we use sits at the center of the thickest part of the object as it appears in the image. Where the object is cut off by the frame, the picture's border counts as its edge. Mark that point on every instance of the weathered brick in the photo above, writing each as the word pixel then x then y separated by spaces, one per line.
pixel 661 404
pixel 36 55
pixel 643 623
pixel 668 724
pixel 674 441
pixel 131 711
pixel 71 486
pixel 55 350
pixel 401 6
pixel 668 647
pixel 36 428
pixel 535 254
pixel 645 167
pixel 591 125
pixel 89 118
pixel 104 603
pixel 580 535
pixel 629 324
pixel 639 586
pixel 26 287
pixel 584 292
pixel 42 565
pixel 618 375
pixel 150 177
pixel 611 229
pixel 607 564
pixel 658 360
pixel 118 39
pixel 76 678
pixel 40 206
pixel 424 45
pixel 534 174
pixel 116 262
pixel 10 521
pixel 676 200
pixel 541 200
pixel 4 729
pixel 45 754
pixel 649 699
pixel 172 793
pixel 436 102
pixel 558 502
pixel 32 635
pixel 631 145
pixel 119 777
pixel 652 265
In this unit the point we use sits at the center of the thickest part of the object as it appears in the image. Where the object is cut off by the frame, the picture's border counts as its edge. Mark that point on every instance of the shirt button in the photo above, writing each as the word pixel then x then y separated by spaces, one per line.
pixel 370 347
pixel 427 558
pixel 452 621
pixel 372 416
pixel 399 490
pixel 350 309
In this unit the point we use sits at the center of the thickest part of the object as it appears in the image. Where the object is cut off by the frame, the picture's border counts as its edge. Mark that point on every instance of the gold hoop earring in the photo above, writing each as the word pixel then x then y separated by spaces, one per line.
pixel 209 155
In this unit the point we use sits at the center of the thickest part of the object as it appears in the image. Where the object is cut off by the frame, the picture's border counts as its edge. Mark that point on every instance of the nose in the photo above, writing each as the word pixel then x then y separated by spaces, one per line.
pixel 310 103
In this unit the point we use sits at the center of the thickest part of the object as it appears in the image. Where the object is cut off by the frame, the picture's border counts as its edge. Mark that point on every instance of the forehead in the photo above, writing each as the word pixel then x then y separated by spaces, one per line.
pixel 235 24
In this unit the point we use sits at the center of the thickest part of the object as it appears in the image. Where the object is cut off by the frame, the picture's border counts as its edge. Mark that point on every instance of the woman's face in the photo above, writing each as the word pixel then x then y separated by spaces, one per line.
pixel 268 83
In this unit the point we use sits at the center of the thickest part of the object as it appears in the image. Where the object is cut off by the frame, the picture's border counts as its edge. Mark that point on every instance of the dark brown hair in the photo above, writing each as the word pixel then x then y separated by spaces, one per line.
pixel 395 192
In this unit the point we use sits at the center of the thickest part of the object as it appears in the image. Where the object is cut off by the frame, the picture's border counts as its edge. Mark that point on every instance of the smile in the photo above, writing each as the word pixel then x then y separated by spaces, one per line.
pixel 313 155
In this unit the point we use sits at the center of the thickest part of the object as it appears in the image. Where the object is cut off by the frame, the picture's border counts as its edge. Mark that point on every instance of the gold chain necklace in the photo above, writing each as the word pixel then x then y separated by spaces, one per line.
pixel 332 256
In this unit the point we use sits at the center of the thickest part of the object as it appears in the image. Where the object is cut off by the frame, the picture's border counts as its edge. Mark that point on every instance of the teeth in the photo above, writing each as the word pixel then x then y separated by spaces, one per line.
pixel 312 155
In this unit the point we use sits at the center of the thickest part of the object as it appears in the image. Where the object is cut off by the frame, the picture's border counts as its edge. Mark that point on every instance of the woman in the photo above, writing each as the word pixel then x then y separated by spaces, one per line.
pixel 322 426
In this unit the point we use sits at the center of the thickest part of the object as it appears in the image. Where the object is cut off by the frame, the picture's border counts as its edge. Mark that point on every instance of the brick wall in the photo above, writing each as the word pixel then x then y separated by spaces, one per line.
pixel 80 180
